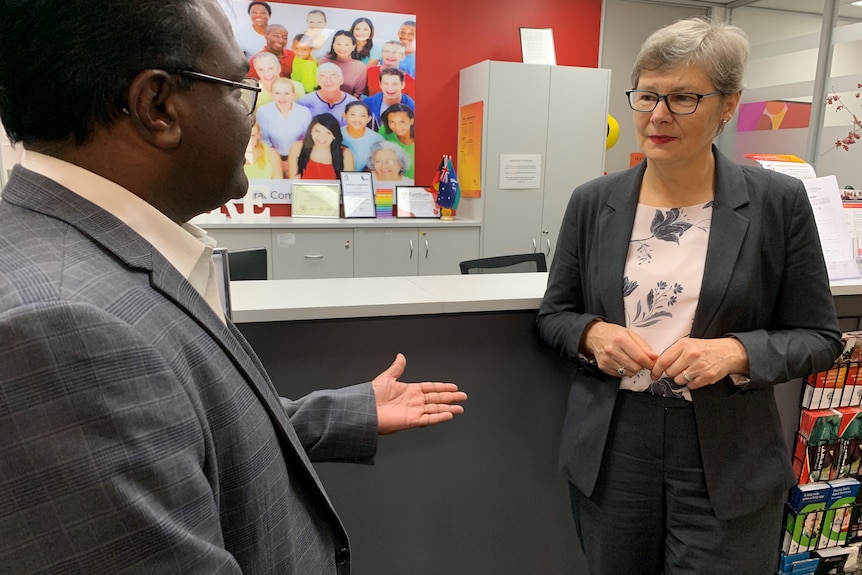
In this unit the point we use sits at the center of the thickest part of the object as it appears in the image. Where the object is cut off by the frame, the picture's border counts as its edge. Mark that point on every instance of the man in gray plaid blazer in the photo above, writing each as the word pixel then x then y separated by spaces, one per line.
pixel 139 433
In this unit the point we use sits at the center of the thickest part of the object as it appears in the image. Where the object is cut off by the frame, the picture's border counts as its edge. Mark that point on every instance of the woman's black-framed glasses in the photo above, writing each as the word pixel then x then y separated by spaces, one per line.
pixel 679 103
pixel 249 87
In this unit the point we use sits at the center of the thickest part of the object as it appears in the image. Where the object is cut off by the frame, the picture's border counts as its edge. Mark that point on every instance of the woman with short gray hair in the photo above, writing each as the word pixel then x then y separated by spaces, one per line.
pixel 685 289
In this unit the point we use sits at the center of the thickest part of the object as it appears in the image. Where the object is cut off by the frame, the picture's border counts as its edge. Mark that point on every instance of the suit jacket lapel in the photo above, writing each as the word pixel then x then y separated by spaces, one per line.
pixel 33 191
pixel 169 282
pixel 723 248
pixel 614 235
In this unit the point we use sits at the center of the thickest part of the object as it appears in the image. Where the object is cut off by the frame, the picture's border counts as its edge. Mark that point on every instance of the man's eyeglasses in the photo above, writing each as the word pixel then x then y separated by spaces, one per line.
pixel 679 103
pixel 249 87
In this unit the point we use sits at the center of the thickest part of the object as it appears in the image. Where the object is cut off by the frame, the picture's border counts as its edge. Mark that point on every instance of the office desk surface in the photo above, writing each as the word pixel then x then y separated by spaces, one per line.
pixel 285 300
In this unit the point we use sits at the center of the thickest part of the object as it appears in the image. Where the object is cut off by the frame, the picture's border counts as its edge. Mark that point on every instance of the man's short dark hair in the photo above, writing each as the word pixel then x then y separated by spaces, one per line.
pixel 71 71
pixel 264 4
pixel 392 72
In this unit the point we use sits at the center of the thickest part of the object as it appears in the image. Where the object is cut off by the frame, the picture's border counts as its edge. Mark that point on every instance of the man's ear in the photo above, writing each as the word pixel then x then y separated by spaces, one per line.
pixel 153 100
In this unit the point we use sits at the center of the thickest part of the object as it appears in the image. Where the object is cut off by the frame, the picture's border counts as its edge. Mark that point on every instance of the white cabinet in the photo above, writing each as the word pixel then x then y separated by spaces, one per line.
pixel 343 248
pixel 312 253
pixel 441 250
pixel 384 252
pixel 556 112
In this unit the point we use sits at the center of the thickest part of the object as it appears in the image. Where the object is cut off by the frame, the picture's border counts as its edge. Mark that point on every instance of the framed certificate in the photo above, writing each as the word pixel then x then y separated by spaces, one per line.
pixel 315 200
pixel 416 202
pixel 357 192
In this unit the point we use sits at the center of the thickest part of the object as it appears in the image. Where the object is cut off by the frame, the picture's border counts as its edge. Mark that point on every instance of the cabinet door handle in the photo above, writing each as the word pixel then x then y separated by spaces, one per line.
pixel 426 249
pixel 535 247
pixel 313 256
pixel 411 249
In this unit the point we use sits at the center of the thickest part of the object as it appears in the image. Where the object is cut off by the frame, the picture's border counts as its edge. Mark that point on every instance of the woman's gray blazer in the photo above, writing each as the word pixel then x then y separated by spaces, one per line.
pixel 765 283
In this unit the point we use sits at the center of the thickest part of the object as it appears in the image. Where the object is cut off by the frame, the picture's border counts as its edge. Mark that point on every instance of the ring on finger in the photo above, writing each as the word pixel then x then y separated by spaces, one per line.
pixel 621 371
pixel 687 377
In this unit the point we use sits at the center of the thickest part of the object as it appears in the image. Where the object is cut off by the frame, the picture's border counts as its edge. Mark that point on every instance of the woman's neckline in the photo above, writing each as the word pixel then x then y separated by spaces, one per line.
pixel 687 206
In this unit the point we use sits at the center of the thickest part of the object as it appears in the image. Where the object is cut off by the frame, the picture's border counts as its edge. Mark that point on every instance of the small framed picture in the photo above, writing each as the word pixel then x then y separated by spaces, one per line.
pixel 357 193
pixel 416 202
pixel 315 200
pixel 537 46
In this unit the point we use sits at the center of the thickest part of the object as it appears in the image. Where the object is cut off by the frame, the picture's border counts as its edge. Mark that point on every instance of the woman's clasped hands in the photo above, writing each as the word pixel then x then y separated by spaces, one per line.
pixel 688 361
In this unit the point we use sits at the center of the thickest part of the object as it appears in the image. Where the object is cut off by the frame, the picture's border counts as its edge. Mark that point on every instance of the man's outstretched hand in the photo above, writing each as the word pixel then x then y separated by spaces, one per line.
pixel 404 405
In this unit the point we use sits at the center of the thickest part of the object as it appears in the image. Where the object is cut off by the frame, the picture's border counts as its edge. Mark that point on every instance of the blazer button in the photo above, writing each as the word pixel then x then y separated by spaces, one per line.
pixel 342 556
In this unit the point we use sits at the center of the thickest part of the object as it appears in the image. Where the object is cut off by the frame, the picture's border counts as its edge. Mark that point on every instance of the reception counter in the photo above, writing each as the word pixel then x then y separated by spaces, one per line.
pixel 288 300
pixel 482 493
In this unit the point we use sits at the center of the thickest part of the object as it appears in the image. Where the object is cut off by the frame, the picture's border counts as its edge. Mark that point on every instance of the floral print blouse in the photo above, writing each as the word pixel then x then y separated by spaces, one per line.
pixel 663 275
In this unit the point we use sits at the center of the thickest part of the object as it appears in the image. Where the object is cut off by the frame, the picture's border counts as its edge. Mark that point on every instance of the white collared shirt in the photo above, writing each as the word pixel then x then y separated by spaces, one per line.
pixel 188 248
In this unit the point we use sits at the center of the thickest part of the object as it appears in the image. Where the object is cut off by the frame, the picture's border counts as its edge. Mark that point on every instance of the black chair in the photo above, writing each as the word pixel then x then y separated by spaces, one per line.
pixel 247 264
pixel 517 263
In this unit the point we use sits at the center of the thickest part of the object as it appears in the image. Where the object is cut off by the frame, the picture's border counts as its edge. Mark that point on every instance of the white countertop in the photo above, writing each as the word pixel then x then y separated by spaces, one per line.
pixel 286 300
pixel 846 287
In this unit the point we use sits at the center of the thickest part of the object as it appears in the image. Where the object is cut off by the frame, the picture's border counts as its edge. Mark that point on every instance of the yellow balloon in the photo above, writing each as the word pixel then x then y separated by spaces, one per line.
pixel 613 132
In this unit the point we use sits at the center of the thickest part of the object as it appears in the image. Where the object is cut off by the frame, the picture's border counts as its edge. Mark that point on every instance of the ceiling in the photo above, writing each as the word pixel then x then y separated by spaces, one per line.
pixel 845 9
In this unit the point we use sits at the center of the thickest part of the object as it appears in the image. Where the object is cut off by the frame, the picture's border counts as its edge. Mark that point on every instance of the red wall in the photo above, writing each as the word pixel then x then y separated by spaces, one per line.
pixel 454 34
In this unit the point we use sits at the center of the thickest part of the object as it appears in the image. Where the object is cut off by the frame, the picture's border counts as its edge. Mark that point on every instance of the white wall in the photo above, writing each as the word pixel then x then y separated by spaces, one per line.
pixel 782 66
pixel 626 25
pixel 9 156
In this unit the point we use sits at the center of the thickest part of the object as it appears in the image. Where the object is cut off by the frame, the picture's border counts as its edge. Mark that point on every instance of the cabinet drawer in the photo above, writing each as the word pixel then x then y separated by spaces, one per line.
pixel 301 253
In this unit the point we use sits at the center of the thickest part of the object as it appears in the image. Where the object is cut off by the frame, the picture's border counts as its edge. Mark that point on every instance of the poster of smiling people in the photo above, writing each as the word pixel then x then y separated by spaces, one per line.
pixel 337 94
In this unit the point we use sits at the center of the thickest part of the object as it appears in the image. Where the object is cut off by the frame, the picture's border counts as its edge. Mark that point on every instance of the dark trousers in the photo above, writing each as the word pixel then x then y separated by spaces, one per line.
pixel 650 512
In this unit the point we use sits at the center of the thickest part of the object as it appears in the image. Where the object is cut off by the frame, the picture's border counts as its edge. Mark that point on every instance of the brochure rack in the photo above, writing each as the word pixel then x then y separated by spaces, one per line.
pixel 823 516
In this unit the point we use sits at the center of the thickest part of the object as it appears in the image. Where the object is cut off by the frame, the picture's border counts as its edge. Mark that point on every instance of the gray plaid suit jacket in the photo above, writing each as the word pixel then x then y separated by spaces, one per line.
pixel 139 433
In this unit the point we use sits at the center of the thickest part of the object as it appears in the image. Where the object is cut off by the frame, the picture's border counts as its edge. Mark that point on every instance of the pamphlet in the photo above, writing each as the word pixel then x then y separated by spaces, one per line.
pixel 825 198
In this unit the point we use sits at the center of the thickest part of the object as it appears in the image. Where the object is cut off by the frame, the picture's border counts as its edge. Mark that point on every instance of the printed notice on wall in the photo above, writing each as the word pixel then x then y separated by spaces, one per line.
pixel 520 171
